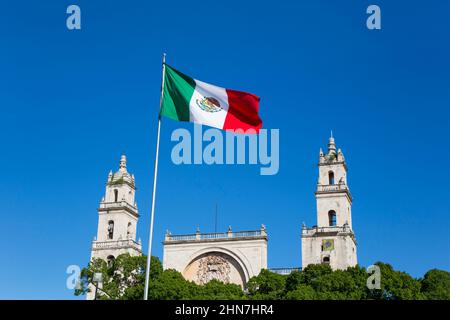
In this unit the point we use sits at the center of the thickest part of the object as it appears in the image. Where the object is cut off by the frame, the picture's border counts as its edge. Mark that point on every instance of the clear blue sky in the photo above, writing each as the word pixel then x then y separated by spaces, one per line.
pixel 72 101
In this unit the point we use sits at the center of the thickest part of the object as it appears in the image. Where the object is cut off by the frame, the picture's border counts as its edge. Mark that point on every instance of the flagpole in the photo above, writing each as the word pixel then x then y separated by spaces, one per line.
pixel 155 175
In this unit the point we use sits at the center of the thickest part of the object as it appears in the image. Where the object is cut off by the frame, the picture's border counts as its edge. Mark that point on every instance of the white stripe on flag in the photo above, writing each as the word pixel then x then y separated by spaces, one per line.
pixel 197 111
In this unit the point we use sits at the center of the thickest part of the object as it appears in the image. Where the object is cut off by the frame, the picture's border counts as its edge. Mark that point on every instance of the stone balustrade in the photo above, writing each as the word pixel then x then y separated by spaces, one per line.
pixel 217 236
pixel 118 204
pixel 116 244
pixel 332 187
pixel 331 229
pixel 284 271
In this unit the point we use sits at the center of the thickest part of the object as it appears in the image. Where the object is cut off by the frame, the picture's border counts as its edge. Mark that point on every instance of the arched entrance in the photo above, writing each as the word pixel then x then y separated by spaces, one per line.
pixel 215 265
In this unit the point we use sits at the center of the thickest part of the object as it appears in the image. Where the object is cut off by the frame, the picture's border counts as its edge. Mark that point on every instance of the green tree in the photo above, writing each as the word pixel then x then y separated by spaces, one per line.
pixel 396 285
pixel 435 285
pixel 293 280
pixel 216 290
pixel 338 285
pixel 171 285
pixel 123 279
pixel 313 272
pixel 320 282
pixel 266 286
pixel 301 292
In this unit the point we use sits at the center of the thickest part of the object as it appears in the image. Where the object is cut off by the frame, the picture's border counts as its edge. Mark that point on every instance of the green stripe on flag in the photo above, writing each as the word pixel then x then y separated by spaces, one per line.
pixel 178 90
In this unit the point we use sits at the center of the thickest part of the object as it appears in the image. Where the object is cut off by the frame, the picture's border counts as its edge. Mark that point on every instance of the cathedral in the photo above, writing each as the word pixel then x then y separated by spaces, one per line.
pixel 232 257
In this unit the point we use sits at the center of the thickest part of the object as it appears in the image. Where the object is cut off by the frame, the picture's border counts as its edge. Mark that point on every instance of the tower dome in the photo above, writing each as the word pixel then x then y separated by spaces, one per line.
pixel 122 175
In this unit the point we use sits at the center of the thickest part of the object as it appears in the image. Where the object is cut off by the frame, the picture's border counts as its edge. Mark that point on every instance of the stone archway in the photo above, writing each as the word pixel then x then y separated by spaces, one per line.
pixel 215 265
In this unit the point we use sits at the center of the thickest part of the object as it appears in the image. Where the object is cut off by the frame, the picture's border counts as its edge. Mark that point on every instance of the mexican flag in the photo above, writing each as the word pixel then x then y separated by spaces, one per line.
pixel 188 99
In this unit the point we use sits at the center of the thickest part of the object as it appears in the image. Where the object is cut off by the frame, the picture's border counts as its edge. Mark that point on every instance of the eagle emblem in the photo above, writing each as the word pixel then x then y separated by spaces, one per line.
pixel 209 104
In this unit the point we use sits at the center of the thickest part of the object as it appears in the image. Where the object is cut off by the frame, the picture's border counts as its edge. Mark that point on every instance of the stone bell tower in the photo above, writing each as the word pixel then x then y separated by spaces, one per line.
pixel 332 240
pixel 117 217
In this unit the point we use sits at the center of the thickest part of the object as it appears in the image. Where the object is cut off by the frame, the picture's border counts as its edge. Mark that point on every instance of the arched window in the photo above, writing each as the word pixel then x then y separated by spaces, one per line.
pixel 129 230
pixel 110 229
pixel 116 195
pixel 331 218
pixel 110 261
pixel 330 177
pixel 326 260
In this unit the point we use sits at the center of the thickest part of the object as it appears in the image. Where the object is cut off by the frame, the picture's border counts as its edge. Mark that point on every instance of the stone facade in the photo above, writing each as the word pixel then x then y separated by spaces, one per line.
pixel 231 257
pixel 332 240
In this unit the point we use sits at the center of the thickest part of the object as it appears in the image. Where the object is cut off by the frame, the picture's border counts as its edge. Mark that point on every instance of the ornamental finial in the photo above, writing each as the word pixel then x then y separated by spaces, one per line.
pixel 123 163
pixel 331 144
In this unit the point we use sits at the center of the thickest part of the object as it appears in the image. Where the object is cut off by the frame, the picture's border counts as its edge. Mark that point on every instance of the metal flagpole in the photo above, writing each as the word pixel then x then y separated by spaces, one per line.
pixel 155 175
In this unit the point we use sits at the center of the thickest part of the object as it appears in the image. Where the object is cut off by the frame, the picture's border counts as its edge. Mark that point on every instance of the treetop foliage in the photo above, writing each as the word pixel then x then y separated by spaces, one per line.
pixel 125 278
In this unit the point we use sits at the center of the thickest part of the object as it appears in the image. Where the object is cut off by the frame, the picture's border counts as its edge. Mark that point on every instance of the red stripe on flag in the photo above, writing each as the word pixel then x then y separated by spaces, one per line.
pixel 242 111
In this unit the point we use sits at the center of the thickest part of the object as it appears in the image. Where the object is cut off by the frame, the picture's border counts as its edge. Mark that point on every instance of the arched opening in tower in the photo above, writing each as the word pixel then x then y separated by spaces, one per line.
pixel 331 218
pixel 331 177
